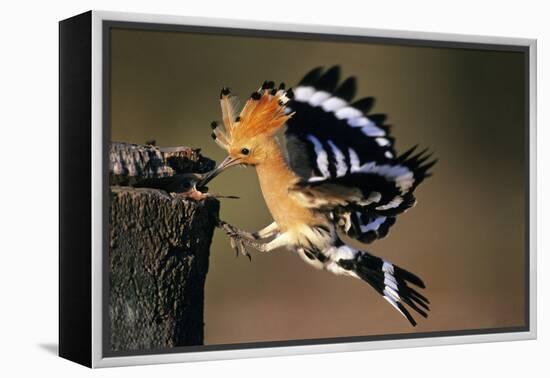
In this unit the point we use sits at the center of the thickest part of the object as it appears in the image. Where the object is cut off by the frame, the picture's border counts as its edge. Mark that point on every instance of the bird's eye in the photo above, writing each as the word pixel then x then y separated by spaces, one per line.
pixel 245 151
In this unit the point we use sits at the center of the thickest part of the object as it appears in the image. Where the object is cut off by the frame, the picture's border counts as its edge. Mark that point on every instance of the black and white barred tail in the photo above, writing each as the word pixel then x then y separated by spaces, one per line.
pixel 391 281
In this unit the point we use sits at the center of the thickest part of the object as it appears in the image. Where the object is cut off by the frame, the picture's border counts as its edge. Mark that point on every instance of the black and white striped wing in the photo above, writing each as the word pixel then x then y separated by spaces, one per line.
pixel 346 158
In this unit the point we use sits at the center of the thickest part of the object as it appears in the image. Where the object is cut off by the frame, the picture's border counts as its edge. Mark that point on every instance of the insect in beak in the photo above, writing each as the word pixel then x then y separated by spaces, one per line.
pixel 227 163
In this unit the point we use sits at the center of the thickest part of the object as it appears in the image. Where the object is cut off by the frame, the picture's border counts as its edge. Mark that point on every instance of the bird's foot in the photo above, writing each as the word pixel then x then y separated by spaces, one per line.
pixel 231 230
pixel 237 238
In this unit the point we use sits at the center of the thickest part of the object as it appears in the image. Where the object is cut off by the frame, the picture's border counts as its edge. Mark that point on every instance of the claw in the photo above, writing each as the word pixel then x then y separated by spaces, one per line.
pixel 235 246
pixel 241 249
pixel 235 239
pixel 244 251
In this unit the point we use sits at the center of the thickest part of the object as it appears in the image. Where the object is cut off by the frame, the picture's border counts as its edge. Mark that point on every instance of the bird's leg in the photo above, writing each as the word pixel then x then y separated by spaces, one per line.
pixel 279 241
pixel 240 238
pixel 236 237
pixel 264 233
pixel 235 232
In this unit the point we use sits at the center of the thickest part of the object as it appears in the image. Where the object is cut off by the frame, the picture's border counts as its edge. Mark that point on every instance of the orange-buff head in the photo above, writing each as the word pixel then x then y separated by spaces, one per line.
pixel 246 135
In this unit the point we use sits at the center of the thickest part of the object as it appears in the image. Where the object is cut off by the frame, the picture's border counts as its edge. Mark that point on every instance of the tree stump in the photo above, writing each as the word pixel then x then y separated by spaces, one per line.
pixel 158 259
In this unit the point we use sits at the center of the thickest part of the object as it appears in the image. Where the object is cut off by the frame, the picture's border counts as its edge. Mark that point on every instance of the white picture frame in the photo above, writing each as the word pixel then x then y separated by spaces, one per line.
pixel 97 357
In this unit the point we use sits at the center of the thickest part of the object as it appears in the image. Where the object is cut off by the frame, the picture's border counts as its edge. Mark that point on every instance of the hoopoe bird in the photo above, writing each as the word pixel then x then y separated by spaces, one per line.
pixel 338 176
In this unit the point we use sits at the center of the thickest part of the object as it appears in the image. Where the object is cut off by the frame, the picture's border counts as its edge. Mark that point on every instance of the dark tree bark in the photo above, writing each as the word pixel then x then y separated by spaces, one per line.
pixel 158 260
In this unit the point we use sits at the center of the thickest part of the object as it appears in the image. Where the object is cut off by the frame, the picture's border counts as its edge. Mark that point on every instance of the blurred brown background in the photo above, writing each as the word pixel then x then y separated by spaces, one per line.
pixel 465 237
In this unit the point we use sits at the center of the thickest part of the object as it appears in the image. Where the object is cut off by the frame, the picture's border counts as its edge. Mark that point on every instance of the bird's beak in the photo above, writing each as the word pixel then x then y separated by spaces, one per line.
pixel 227 163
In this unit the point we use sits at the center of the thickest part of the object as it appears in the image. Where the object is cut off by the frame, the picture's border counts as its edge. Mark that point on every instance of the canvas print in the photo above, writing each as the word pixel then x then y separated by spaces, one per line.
pixel 382 194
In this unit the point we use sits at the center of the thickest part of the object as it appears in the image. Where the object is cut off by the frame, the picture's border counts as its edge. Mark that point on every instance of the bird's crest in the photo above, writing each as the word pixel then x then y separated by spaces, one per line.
pixel 263 114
